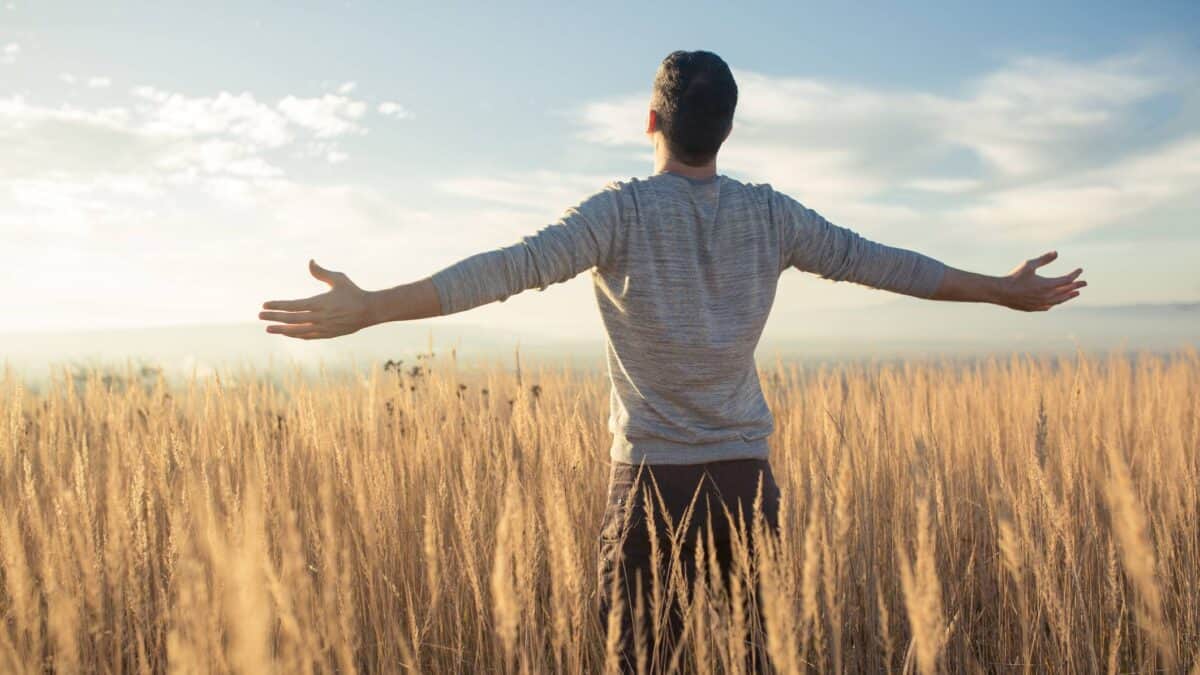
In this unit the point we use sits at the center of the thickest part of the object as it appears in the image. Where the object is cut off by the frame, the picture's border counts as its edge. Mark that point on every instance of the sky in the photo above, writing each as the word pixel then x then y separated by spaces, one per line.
pixel 178 163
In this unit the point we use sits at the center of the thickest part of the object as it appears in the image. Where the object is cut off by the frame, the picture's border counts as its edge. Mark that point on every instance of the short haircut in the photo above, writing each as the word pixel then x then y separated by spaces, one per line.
pixel 694 98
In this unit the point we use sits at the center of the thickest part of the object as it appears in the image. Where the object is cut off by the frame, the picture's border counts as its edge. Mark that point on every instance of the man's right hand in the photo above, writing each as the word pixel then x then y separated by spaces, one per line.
pixel 1022 289
pixel 341 310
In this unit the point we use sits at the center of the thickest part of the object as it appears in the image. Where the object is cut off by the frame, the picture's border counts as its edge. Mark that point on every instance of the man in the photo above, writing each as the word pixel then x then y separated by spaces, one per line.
pixel 685 264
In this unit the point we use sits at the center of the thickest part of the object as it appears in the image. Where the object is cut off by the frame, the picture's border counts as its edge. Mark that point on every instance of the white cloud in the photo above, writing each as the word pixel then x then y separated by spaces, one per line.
pixel 614 121
pixel 1093 198
pixel 150 93
pixel 161 185
pixel 18 115
pixel 347 87
pixel 98 82
pixel 1036 134
pixel 240 116
pixel 72 169
pixel 10 52
pixel 1022 118
pixel 1018 120
pixel 393 109
pixel 327 116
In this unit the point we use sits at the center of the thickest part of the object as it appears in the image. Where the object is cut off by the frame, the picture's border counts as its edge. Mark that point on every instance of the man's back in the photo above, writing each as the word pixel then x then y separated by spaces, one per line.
pixel 685 273
pixel 684 298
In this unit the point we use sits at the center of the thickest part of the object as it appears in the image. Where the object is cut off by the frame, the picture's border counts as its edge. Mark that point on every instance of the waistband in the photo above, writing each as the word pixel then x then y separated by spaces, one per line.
pixel 662 451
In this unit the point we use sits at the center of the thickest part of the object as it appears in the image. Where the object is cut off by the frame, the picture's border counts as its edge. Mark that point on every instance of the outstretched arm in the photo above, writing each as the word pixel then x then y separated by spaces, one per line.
pixel 345 308
pixel 813 244
pixel 1020 289
pixel 581 239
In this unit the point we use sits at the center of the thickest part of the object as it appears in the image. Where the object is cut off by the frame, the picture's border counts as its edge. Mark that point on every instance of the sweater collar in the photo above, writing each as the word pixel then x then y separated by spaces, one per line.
pixel 693 181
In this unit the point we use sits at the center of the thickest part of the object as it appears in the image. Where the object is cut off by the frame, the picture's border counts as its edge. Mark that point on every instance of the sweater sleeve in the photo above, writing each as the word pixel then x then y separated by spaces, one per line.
pixel 813 244
pixel 581 239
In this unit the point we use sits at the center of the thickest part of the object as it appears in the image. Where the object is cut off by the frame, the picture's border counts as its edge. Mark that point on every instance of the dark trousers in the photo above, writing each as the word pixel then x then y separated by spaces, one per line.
pixel 625 549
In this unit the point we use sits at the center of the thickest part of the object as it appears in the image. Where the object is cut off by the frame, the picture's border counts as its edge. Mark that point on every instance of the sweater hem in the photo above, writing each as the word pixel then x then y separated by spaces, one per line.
pixel 661 451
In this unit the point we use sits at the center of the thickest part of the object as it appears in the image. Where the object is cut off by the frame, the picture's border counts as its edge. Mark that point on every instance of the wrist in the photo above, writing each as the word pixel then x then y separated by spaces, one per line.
pixel 997 290
pixel 418 300
pixel 375 312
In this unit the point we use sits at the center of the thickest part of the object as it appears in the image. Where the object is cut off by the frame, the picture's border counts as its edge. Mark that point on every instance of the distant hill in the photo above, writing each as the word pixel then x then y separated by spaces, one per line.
pixel 183 349
pixel 908 325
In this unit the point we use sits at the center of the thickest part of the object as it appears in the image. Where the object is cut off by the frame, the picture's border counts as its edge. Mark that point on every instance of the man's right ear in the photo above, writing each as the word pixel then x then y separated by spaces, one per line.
pixel 652 122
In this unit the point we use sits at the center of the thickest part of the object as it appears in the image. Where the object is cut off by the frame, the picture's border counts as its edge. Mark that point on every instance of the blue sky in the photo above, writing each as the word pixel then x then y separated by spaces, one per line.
pixel 179 163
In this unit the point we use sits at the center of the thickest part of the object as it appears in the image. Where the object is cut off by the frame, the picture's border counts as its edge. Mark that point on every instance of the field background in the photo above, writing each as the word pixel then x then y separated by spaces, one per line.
pixel 1001 514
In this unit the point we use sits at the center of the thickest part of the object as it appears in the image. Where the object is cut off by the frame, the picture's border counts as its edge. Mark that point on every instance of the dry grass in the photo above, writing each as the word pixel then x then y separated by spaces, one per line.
pixel 1014 515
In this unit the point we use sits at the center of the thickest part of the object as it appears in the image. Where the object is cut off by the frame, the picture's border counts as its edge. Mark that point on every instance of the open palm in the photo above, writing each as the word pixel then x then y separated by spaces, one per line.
pixel 1032 293
pixel 341 310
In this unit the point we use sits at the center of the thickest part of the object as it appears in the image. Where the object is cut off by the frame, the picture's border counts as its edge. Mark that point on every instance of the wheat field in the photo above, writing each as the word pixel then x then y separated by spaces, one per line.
pixel 1020 513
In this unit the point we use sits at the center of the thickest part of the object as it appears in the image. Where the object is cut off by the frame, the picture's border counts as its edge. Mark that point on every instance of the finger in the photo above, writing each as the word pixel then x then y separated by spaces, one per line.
pixel 1044 259
pixel 289 317
pixel 1069 287
pixel 293 305
pixel 1061 298
pixel 1051 301
pixel 1072 288
pixel 289 329
pixel 1066 279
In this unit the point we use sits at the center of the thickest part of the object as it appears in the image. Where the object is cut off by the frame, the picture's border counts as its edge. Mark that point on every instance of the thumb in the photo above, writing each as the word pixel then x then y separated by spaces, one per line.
pixel 320 272
pixel 1044 259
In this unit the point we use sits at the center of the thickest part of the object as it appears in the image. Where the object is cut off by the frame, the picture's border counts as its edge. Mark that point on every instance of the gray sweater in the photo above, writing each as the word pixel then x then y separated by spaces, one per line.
pixel 684 272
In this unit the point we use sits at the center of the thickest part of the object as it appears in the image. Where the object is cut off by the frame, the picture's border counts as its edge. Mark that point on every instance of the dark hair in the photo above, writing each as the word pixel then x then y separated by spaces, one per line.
pixel 694 97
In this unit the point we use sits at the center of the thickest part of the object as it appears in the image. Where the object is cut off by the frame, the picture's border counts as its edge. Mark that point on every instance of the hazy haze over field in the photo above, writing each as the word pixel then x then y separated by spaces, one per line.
pixel 902 329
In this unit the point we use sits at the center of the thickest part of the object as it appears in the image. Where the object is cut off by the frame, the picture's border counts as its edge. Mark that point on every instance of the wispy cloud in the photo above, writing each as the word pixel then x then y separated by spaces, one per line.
pixel 239 116
pixel 327 116
pixel 1089 199
pixel 393 109
pixel 186 182
pixel 75 168
pixel 1039 136
pixel 539 192
pixel 10 52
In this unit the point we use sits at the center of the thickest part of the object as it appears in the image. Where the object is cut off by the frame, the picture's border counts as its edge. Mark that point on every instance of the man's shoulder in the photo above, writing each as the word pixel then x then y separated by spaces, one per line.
pixel 607 202
pixel 763 190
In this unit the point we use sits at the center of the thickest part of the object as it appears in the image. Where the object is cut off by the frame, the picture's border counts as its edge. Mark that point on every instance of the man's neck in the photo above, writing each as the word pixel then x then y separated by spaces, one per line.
pixel 669 164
